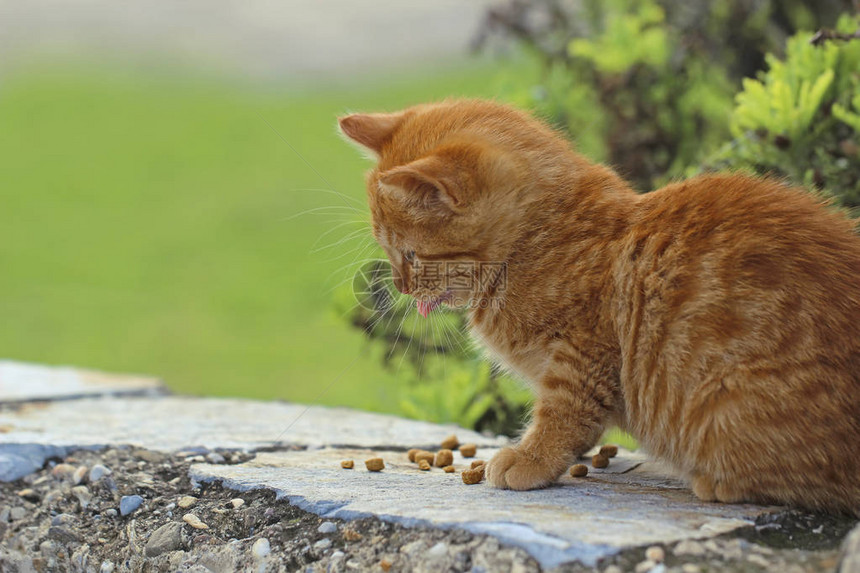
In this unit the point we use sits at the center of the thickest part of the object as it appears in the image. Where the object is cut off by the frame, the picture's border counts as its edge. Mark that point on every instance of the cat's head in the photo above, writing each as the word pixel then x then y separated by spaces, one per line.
pixel 445 193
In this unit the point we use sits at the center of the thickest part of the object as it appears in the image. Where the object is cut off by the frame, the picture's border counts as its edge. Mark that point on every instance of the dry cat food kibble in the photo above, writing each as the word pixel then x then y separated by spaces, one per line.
pixel 579 470
pixel 424 455
pixel 599 461
pixel 468 450
pixel 411 454
pixel 609 450
pixel 476 463
pixel 444 458
pixel 424 465
pixel 375 464
pixel 347 464
pixel 473 476
pixel 449 469
pixel 450 443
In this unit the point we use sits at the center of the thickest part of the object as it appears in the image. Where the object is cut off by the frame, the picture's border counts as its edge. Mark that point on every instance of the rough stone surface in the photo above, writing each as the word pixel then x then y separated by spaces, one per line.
pixel 169 423
pixel 18 460
pixel 585 520
pixel 21 381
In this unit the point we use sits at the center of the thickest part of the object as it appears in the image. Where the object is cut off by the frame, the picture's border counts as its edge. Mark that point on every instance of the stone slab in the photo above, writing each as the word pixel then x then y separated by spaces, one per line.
pixel 22 381
pixel 174 423
pixel 629 504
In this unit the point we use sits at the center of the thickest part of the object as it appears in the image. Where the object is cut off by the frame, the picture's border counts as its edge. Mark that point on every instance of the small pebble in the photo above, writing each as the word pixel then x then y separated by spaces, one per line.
pixel 450 443
pixel 579 470
pixel 690 568
pixel 17 513
pixel 129 503
pixel 374 464
pixel 613 569
pixel 449 469
pixel 655 553
pixel 689 547
pixel 98 471
pixel 347 464
pixel 599 461
pixel 83 494
pixel 52 496
pixel 468 450
pixel 438 551
pixel 237 502
pixel 444 457
pixel 79 475
pixel 322 544
pixel 337 554
pixel 186 501
pixel 106 567
pixel 29 494
pixel 385 564
pixel 110 512
pixel 194 521
pixel 215 458
pixel 327 527
pixel 63 471
pixel 62 519
pixel 424 465
pixel 261 548
pixel 645 566
pixel 756 559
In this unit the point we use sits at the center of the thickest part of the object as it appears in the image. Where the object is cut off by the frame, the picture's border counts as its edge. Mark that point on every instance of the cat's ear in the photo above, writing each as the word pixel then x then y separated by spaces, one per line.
pixel 370 130
pixel 431 180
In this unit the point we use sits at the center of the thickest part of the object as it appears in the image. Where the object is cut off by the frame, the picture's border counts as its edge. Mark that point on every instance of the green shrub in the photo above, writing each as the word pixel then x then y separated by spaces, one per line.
pixel 647 85
pixel 801 118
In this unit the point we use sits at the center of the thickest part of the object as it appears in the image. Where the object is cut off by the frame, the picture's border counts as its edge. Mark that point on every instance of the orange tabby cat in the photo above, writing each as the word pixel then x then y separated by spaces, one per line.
pixel 717 320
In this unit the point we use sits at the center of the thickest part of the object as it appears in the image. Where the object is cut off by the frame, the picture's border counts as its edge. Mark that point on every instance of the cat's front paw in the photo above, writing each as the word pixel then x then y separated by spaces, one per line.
pixel 514 468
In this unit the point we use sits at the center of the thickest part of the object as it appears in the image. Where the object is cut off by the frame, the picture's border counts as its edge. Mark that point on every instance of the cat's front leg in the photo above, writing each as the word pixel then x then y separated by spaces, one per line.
pixel 569 417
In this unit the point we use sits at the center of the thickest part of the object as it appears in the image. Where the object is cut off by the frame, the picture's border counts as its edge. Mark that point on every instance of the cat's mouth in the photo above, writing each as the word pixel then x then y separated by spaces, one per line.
pixel 427 304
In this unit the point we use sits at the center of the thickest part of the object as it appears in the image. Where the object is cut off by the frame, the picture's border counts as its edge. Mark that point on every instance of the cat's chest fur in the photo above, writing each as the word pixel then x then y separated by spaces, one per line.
pixel 515 351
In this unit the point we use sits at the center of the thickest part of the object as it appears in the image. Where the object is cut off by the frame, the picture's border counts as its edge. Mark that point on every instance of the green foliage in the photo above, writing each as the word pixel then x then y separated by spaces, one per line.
pixel 632 35
pixel 473 396
pixel 647 85
pixel 801 118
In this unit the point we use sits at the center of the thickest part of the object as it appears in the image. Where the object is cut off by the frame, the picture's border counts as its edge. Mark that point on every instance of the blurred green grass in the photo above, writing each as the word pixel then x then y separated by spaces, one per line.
pixel 148 224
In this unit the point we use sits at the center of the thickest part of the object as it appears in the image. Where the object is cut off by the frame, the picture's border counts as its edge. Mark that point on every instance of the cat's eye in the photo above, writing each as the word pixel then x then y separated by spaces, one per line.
pixel 409 256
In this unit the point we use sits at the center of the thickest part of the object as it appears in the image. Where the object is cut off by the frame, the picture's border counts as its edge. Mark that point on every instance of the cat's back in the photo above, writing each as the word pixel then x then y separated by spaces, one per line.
pixel 757 231
pixel 739 307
